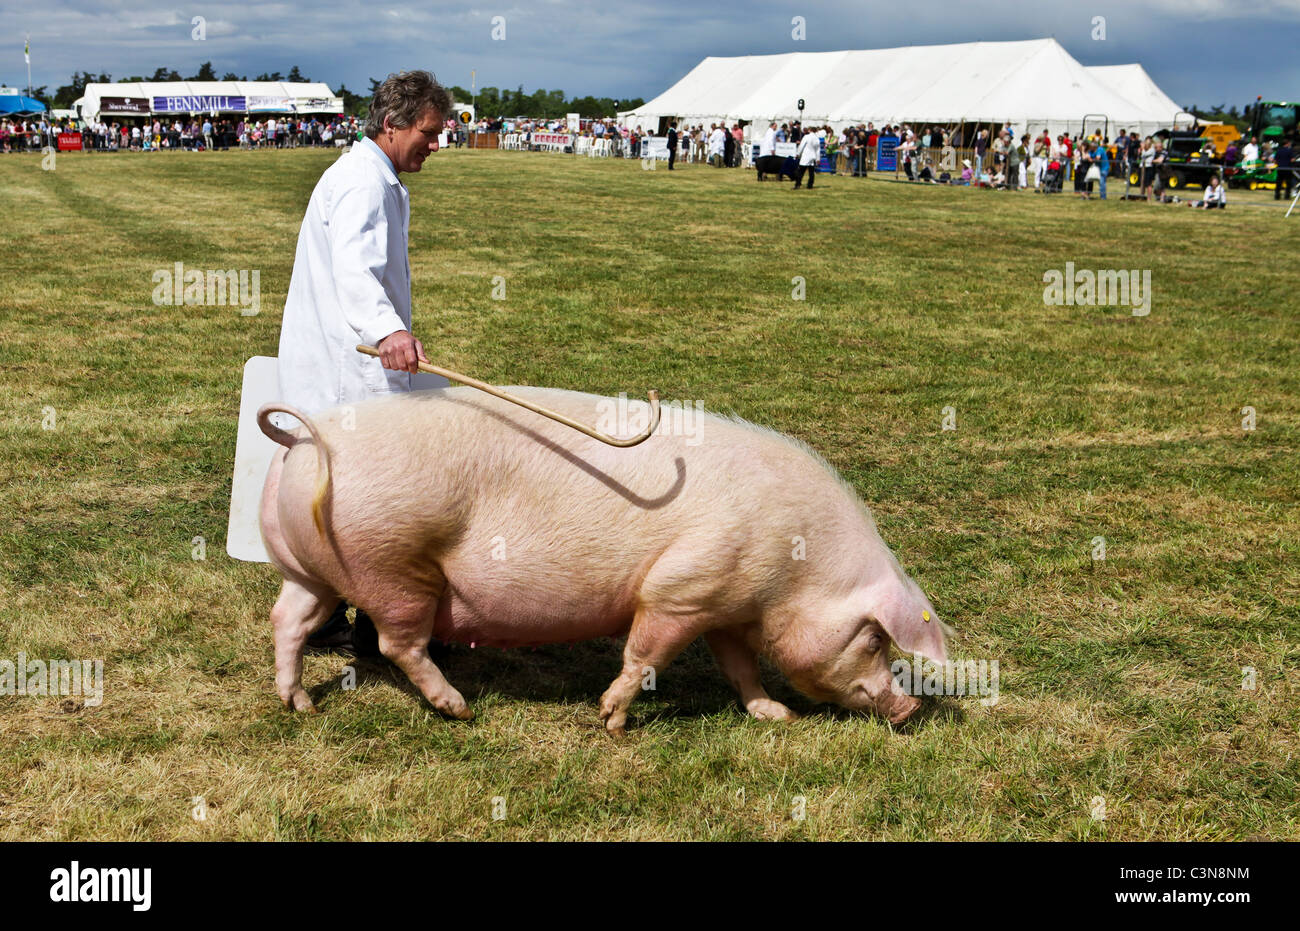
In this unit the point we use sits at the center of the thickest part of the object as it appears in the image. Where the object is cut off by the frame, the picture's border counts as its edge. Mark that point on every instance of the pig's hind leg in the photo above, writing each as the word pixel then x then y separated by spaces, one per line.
pixel 298 613
pixel 740 665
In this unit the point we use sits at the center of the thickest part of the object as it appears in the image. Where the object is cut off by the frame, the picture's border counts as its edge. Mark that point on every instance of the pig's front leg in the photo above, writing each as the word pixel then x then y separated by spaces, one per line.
pixel 654 642
pixel 740 666
pixel 405 627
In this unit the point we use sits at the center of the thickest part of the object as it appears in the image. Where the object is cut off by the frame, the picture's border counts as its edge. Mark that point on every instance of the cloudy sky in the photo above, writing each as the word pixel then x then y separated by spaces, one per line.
pixel 1201 52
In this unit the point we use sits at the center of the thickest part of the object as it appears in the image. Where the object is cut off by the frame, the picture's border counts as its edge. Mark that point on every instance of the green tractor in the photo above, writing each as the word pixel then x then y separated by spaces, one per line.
pixel 1271 120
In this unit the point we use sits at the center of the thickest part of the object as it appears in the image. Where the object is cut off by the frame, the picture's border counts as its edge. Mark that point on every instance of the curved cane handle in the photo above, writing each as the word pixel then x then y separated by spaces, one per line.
pixel 538 409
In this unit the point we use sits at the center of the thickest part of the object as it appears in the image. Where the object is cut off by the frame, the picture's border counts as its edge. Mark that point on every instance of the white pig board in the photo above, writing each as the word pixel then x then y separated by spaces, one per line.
pixel 253 452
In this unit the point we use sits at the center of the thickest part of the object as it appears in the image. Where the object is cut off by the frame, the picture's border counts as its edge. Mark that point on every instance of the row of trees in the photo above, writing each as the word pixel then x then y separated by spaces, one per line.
pixel 1238 118
pixel 542 104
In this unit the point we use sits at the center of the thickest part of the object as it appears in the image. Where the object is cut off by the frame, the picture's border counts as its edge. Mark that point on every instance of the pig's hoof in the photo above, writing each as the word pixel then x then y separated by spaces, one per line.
pixel 456 708
pixel 299 701
pixel 614 722
pixel 765 709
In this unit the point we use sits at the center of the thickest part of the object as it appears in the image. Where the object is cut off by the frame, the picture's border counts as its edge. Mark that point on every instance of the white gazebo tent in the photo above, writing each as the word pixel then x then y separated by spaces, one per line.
pixel 1035 84
pixel 256 96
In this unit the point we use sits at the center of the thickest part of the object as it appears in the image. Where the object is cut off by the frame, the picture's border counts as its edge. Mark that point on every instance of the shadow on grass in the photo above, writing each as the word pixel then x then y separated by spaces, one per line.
pixel 559 673
pixel 938 709
pixel 691 688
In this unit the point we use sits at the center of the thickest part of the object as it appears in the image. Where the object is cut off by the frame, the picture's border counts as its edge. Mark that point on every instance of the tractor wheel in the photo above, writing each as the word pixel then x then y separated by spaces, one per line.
pixel 1134 179
pixel 1177 180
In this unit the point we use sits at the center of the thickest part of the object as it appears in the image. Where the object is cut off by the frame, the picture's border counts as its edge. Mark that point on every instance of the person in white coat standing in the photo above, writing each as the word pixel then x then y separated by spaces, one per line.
pixel 351 278
pixel 717 145
pixel 809 154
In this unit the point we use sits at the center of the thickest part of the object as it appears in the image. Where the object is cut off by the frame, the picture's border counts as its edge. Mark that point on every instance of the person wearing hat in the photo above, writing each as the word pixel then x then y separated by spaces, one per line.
pixel 966 173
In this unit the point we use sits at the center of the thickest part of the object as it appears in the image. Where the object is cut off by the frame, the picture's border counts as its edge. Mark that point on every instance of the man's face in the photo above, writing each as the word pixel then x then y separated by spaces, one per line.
pixel 409 147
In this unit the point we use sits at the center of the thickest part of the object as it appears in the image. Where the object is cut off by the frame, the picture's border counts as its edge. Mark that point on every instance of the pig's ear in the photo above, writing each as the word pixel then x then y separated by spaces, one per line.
pixel 918 631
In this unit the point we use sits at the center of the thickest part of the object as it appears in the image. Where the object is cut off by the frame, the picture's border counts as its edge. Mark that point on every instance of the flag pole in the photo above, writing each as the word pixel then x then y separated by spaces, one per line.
pixel 27 54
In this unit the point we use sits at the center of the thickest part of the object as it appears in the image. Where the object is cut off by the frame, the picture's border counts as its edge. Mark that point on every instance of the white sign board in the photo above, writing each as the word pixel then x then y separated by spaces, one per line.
pixel 574 121
pixel 654 147
pixel 785 149
pixel 254 449
pixel 253 452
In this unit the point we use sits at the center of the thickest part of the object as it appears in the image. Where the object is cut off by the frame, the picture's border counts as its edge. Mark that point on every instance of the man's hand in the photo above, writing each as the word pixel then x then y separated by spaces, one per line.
pixel 401 352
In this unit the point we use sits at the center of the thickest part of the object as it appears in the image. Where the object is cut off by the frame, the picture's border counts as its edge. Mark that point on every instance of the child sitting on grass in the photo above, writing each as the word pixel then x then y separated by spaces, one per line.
pixel 1215 196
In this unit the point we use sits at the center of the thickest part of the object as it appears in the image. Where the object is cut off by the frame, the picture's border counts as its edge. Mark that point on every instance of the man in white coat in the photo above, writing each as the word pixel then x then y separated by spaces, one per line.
pixel 809 154
pixel 768 145
pixel 351 278
pixel 717 145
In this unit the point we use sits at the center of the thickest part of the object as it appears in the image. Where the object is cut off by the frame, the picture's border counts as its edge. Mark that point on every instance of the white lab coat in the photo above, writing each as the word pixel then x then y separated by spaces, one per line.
pixel 810 149
pixel 718 142
pixel 351 284
pixel 768 145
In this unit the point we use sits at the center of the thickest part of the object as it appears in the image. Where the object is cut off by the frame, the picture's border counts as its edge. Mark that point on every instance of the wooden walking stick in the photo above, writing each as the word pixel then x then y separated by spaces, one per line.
pixel 538 409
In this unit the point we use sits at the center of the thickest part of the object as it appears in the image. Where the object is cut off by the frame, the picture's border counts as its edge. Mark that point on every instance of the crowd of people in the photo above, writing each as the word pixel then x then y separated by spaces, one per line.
pixel 1006 159
pixel 194 133
pixel 21 134
pixel 205 133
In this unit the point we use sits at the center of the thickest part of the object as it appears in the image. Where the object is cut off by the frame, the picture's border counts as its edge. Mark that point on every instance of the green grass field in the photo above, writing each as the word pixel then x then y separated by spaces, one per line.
pixel 1120 679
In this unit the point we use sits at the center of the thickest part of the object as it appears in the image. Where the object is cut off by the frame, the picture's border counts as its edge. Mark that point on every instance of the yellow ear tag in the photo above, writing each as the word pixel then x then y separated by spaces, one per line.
pixel 925 616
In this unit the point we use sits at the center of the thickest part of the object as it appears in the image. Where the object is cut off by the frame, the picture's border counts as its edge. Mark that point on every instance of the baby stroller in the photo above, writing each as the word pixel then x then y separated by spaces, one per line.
pixel 1053 177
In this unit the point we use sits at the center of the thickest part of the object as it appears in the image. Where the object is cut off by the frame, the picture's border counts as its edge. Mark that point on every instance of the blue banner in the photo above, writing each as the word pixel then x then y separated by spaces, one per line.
pixel 886 158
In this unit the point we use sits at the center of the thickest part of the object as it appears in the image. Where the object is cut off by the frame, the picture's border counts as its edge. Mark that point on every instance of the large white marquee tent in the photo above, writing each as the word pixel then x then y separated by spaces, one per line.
pixel 1134 84
pixel 1034 83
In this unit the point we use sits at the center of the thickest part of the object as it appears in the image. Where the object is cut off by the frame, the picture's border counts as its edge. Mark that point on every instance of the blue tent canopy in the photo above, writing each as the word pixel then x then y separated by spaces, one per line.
pixel 17 105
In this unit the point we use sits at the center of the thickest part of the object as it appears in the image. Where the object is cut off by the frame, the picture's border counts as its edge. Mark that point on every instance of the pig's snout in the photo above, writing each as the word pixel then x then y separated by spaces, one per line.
pixel 887 700
pixel 904 707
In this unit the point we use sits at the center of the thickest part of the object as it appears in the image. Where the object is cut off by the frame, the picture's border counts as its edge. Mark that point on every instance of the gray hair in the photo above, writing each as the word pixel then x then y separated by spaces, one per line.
pixel 403 98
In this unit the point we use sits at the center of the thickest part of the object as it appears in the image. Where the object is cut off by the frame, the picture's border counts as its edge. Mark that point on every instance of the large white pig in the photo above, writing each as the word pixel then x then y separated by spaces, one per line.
pixel 456 515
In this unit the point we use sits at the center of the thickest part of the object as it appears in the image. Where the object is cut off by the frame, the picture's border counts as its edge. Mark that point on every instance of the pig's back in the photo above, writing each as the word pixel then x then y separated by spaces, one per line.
pixel 544 534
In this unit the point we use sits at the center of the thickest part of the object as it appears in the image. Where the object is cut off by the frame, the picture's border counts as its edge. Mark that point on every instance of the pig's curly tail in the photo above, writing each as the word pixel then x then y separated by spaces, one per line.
pixel 287 439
